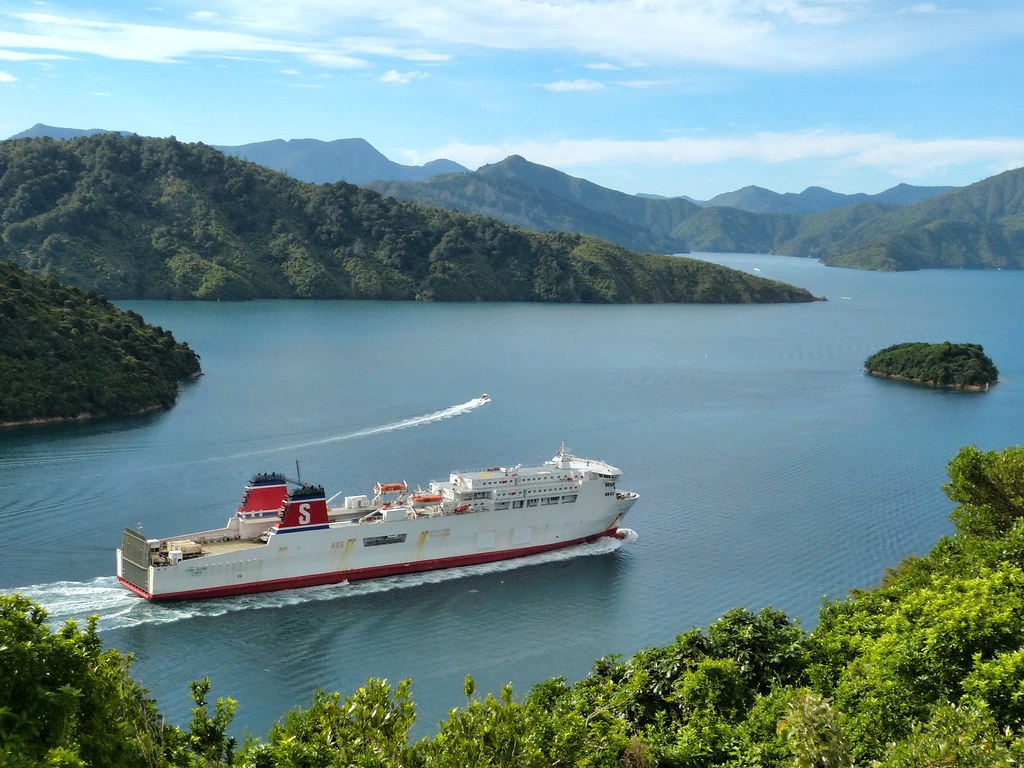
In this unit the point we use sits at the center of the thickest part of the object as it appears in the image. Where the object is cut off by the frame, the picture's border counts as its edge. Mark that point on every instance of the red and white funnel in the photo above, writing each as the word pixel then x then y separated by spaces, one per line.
pixel 265 493
pixel 304 507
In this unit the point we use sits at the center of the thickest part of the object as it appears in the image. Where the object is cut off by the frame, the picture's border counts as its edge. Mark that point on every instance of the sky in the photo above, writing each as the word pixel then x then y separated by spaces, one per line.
pixel 668 97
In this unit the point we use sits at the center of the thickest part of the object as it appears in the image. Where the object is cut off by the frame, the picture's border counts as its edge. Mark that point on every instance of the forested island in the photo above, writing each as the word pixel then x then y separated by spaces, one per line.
pixel 133 217
pixel 960 366
pixel 67 354
pixel 927 669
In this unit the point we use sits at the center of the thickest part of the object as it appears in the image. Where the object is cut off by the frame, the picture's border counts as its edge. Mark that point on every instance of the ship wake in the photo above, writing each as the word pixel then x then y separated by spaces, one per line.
pixel 412 421
pixel 117 608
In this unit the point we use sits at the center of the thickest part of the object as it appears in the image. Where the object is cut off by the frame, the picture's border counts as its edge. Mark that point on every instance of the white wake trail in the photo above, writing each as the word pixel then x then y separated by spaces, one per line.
pixel 412 421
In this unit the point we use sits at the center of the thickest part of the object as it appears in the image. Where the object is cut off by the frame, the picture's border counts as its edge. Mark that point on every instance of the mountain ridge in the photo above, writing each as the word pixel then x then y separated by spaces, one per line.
pixel 530 195
pixel 978 226
pixel 325 162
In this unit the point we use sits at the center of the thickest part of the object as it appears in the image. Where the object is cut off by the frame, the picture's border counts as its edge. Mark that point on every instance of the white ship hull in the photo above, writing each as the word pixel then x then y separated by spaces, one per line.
pixel 477 517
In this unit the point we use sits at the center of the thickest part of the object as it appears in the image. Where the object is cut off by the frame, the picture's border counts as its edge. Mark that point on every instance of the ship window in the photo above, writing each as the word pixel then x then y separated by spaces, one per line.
pixel 501 505
pixel 568 499
pixel 531 502
pixel 517 504
pixel 376 541
pixel 549 500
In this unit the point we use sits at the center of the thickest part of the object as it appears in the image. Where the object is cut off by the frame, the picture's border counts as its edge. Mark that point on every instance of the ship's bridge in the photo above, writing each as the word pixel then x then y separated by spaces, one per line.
pixel 565 460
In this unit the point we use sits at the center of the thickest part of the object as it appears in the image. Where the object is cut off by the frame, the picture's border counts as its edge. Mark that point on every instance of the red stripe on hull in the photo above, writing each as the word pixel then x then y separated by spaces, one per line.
pixel 361 574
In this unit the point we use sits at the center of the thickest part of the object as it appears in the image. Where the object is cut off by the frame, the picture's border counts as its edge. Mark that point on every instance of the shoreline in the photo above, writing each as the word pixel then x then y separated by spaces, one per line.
pixel 42 421
pixel 932 384
pixel 50 420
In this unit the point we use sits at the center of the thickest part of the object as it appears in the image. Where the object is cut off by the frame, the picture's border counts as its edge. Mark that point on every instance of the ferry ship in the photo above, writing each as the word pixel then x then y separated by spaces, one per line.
pixel 287 535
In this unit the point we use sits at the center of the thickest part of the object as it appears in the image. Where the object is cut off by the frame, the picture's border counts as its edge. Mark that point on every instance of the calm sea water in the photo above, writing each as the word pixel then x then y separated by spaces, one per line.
pixel 771 470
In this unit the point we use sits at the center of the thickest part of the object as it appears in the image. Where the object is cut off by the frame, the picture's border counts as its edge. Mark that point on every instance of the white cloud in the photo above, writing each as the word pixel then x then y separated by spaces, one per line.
pixel 768 35
pixel 335 60
pixel 290 72
pixel 573 85
pixel 21 56
pixel 7 77
pixel 168 44
pixel 892 155
pixel 393 76
pixel 377 46
pixel 645 84
pixel 765 35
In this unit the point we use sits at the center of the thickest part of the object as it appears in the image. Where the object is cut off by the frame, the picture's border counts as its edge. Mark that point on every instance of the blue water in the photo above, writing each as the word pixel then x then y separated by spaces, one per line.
pixel 772 471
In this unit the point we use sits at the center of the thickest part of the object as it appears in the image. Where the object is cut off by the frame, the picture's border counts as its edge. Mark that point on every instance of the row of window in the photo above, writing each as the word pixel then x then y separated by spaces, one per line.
pixel 547 500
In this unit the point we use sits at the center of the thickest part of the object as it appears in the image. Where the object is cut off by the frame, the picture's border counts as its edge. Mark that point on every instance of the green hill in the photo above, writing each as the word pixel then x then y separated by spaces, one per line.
pixel 66 354
pixel 980 226
pixel 537 197
pixel 134 217
pixel 816 199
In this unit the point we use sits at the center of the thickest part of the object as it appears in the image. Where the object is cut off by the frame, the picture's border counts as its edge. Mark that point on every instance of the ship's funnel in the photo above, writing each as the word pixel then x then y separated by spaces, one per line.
pixel 305 506
pixel 265 493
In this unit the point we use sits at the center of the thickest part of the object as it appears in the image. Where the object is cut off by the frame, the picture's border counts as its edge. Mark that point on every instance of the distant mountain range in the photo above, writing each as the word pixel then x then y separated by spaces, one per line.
pixel 541 198
pixel 977 227
pixel 751 219
pixel 816 199
pixel 358 162
pixel 324 162
pixel 906 227
pixel 39 131
pixel 312 160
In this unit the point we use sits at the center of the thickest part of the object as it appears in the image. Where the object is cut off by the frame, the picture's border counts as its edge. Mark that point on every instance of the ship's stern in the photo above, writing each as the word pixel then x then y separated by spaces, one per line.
pixel 134 568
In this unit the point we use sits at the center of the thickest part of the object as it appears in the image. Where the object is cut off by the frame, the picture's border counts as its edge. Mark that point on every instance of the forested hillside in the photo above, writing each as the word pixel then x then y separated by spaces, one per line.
pixel 816 199
pixel 925 670
pixel 534 196
pixel 66 354
pixel 751 219
pixel 978 226
pixel 132 217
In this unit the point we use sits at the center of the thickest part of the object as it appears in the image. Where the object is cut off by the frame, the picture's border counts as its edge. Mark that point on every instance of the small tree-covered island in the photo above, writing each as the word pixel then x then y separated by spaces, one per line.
pixel 959 366
pixel 69 354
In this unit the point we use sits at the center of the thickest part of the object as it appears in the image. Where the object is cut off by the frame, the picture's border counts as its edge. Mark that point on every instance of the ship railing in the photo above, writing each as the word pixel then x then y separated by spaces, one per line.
pixel 204 537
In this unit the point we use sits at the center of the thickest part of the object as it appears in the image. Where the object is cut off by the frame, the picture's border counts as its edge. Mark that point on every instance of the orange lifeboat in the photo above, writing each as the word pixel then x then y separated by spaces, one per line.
pixel 422 500
pixel 390 487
